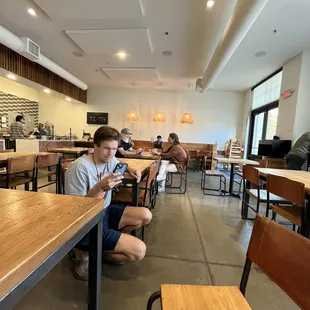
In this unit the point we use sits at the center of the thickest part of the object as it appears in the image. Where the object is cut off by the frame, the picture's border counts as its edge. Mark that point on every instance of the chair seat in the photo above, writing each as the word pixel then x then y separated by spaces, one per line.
pixel 189 297
pixel 291 213
pixel 214 173
pixel 125 196
pixel 15 181
pixel 263 195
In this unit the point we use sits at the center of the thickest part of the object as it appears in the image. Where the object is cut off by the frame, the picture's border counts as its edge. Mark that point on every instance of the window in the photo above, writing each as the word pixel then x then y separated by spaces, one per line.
pixel 264 115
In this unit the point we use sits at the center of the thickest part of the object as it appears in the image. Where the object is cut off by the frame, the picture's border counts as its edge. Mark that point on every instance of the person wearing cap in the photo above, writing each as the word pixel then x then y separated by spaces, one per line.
pixel 126 145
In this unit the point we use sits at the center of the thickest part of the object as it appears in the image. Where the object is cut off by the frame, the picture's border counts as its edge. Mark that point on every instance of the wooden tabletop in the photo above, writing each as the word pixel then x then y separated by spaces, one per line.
pixel 238 161
pixel 35 225
pixel 6 155
pixel 190 297
pixel 140 164
pixel 144 155
pixel 69 150
pixel 294 175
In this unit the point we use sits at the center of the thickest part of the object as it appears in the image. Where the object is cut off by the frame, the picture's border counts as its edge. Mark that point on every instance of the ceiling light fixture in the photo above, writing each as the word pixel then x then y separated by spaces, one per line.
pixel 159 117
pixel 187 118
pixel 260 54
pixel 210 3
pixel 68 99
pixel 32 12
pixel 132 117
pixel 121 55
pixel 77 54
pixel 11 76
pixel 47 91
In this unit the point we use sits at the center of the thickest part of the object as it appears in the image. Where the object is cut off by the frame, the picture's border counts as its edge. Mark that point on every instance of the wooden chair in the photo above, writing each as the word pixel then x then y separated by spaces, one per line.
pixel 280 253
pixel 292 191
pixel 253 189
pixel 46 168
pixel 124 196
pixel 182 186
pixel 194 159
pixel 205 160
pixel 3 170
pixel 262 164
pixel 213 174
pixel 20 171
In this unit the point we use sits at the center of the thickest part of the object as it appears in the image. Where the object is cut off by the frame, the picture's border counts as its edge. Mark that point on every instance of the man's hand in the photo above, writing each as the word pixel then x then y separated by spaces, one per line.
pixel 135 173
pixel 109 182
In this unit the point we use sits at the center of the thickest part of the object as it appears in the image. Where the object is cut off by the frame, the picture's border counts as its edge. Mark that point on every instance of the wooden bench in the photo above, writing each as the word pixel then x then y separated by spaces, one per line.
pixel 210 174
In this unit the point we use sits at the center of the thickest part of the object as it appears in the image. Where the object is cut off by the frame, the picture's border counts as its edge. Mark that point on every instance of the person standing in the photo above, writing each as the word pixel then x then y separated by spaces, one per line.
pixel 173 160
pixel 299 153
pixel 17 130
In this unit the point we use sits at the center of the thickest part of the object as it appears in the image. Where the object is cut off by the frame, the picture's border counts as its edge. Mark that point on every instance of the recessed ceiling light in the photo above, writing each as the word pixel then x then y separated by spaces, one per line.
pixel 11 77
pixel 121 55
pixel 77 54
pixel 68 99
pixel 210 3
pixel 260 54
pixel 167 53
pixel 47 91
pixel 32 12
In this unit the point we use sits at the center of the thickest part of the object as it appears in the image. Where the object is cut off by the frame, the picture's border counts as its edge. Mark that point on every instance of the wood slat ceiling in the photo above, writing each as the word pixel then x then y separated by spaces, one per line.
pixel 18 64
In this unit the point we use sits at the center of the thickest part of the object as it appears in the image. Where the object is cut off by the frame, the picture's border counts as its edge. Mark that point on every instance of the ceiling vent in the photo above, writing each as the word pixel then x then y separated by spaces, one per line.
pixel 30 49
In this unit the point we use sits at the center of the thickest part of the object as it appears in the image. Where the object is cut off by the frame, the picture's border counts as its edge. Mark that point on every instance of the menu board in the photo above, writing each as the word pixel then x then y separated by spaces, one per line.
pixel 97 118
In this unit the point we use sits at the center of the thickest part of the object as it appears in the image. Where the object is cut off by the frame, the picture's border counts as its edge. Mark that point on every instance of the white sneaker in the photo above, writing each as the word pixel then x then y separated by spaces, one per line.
pixel 161 190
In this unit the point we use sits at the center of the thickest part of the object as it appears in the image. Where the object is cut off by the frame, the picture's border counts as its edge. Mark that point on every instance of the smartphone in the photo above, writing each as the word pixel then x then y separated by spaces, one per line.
pixel 120 167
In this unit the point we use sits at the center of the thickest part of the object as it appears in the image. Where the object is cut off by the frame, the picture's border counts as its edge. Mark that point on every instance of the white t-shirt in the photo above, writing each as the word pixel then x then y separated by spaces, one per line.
pixel 82 175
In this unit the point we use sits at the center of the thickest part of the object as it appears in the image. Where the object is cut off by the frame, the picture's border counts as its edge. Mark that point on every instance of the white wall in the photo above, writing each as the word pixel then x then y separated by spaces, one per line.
pixel 217 115
pixel 287 107
pixel 302 121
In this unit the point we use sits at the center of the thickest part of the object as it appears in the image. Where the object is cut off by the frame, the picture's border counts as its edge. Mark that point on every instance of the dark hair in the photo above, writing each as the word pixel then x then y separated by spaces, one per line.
pixel 175 137
pixel 18 118
pixel 159 137
pixel 106 133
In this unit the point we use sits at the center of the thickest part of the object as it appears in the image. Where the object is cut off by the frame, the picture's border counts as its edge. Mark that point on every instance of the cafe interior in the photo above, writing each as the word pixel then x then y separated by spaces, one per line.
pixel 223 83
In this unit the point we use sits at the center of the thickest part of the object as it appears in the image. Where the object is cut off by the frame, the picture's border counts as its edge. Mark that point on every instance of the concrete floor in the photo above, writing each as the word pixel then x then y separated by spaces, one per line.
pixel 193 239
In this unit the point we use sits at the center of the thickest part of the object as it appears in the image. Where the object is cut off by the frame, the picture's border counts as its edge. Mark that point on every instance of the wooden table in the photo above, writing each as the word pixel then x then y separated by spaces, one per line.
pixel 77 151
pixel 143 155
pixel 189 297
pixel 233 162
pixel 294 175
pixel 6 155
pixel 36 231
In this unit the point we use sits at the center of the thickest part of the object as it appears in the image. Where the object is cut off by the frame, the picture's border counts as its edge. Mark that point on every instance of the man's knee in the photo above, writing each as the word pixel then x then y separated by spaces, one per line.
pixel 137 252
pixel 146 216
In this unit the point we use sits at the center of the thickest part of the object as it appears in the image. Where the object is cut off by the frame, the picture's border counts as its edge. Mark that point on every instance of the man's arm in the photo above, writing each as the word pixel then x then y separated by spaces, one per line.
pixel 123 152
pixel 135 173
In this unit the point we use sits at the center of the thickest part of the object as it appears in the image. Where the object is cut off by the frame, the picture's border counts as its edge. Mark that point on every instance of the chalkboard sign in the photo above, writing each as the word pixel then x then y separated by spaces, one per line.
pixel 97 118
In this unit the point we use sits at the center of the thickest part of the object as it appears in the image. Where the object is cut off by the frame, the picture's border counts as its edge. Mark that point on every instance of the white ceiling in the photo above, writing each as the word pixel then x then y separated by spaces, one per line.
pixel 101 28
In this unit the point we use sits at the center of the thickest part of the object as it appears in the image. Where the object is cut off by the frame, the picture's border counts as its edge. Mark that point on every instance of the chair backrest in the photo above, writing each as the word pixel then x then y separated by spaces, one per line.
pixel 291 191
pixel 151 175
pixel 251 174
pixel 192 153
pixel 207 154
pixel 284 256
pixel 263 163
pixel 47 160
pixel 21 164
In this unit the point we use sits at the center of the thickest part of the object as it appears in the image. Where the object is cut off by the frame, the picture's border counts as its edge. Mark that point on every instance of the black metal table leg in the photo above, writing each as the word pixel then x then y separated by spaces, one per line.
pixel 59 179
pixel 95 265
pixel 246 198
pixel 306 232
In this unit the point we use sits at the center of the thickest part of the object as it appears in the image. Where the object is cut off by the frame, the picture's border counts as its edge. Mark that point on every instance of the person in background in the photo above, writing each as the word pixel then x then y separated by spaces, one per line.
pixel 17 130
pixel 40 131
pixel 92 176
pixel 298 155
pixel 125 145
pixel 159 143
pixel 173 160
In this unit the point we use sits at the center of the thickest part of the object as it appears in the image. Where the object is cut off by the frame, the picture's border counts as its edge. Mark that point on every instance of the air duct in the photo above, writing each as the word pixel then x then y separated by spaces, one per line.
pixel 13 42
pixel 245 14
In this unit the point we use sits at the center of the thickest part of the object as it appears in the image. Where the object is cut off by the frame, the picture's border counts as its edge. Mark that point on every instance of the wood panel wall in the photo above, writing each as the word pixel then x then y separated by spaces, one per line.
pixel 18 64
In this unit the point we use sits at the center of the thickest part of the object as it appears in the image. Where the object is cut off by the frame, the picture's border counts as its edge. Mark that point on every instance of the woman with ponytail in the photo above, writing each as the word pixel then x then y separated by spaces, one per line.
pixel 173 160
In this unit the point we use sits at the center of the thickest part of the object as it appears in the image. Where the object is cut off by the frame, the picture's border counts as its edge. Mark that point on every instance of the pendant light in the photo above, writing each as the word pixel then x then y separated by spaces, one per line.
pixel 159 117
pixel 187 118
pixel 133 117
